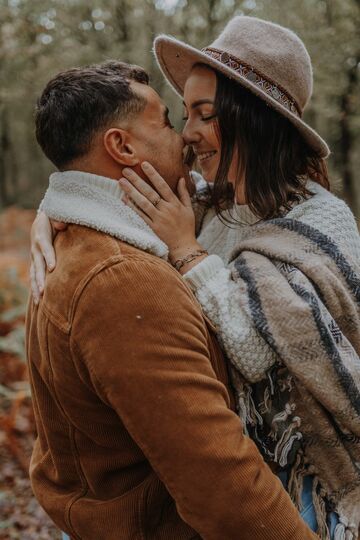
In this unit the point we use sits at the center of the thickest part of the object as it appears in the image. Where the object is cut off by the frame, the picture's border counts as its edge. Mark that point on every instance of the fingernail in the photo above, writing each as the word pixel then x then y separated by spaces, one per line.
pixel 126 171
pixel 145 165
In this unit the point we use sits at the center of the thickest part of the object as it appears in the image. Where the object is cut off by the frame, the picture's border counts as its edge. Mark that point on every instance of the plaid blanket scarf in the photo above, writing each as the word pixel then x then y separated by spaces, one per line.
pixel 303 296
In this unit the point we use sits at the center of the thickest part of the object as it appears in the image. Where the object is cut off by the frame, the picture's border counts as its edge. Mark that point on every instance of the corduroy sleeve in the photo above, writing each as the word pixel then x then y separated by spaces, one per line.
pixel 144 341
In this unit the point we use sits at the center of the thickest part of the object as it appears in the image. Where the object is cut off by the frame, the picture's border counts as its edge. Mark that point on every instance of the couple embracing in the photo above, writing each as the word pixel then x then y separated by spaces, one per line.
pixel 194 356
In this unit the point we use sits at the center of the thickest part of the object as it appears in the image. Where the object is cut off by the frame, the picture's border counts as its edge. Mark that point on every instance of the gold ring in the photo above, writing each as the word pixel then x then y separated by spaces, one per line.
pixel 157 201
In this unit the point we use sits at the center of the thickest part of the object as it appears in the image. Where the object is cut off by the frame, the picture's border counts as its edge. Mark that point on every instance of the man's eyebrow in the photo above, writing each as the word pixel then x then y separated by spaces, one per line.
pixel 199 102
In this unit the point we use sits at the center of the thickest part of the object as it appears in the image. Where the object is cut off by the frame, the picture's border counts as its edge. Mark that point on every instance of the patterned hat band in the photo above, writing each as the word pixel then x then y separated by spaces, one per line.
pixel 246 71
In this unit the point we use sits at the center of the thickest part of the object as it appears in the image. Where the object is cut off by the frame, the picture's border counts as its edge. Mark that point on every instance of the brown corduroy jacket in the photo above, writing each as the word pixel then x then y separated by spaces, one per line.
pixel 135 435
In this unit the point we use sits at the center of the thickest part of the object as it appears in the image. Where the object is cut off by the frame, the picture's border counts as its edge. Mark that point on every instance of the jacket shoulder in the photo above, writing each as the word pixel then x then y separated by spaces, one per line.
pixel 82 254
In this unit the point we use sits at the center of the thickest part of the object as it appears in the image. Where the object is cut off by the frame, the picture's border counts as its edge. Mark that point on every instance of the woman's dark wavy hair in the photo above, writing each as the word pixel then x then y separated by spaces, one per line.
pixel 274 158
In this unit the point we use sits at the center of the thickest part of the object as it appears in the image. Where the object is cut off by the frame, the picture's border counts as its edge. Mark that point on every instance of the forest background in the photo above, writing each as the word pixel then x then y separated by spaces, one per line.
pixel 38 38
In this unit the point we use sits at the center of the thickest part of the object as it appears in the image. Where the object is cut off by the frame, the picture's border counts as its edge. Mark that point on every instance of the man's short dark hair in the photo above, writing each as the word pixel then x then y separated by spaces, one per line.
pixel 78 102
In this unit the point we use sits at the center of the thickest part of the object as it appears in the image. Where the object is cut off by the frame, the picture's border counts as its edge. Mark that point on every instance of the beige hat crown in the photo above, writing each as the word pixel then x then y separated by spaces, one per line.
pixel 274 50
pixel 269 60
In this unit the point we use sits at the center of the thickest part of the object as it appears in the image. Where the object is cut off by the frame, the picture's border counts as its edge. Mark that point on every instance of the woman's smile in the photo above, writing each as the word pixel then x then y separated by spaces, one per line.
pixel 204 157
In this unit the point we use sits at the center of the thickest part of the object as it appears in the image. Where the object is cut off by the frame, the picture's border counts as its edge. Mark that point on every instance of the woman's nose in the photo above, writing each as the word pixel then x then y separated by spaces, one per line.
pixel 190 135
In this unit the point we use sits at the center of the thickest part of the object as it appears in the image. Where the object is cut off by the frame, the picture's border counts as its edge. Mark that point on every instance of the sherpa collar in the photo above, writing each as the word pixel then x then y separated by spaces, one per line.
pixel 95 202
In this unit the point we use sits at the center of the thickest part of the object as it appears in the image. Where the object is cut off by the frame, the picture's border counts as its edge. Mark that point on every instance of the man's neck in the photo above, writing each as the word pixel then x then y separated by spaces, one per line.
pixel 113 173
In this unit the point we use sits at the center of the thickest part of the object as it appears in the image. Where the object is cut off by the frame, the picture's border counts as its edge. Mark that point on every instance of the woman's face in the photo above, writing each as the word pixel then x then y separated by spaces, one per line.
pixel 201 129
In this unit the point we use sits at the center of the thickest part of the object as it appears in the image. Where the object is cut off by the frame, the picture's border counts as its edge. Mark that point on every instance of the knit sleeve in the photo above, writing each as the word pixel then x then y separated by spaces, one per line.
pixel 225 302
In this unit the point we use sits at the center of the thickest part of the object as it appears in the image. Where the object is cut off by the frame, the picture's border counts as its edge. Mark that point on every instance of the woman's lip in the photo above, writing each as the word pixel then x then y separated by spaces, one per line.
pixel 205 156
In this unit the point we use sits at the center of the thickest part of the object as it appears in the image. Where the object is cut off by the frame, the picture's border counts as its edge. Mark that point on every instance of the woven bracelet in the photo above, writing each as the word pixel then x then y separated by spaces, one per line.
pixel 189 258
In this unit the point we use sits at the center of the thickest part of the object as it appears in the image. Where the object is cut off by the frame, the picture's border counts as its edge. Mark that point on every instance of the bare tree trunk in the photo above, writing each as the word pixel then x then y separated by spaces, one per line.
pixel 329 12
pixel 210 16
pixel 121 21
pixel 347 137
pixel 4 144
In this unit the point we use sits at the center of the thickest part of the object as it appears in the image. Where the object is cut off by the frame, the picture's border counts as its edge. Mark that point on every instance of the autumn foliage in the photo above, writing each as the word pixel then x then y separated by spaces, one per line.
pixel 20 515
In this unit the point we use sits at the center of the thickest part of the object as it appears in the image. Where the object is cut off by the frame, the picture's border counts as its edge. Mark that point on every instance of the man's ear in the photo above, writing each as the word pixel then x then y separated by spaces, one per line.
pixel 118 145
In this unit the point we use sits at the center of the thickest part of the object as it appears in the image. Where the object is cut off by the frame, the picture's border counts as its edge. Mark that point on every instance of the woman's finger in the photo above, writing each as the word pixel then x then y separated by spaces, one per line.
pixel 47 251
pixel 136 209
pixel 184 195
pixel 58 225
pixel 141 185
pixel 39 269
pixel 125 198
pixel 141 202
pixel 158 182
pixel 34 287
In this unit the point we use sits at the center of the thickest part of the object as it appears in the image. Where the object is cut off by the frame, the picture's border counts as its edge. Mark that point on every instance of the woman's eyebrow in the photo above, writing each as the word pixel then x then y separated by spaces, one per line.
pixel 199 102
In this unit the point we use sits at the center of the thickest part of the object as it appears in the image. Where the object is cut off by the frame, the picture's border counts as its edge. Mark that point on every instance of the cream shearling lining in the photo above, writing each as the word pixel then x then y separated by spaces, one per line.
pixel 95 201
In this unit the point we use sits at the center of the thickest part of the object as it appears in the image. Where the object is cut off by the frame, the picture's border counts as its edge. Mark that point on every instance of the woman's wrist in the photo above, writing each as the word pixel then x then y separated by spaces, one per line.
pixel 179 252
pixel 185 268
pixel 186 257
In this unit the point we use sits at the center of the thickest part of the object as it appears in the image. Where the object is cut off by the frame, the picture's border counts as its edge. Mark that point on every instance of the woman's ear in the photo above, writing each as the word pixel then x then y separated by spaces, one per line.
pixel 117 143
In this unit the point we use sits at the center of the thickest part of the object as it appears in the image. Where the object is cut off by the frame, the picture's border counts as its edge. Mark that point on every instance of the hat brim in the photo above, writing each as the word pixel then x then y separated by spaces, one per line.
pixel 176 60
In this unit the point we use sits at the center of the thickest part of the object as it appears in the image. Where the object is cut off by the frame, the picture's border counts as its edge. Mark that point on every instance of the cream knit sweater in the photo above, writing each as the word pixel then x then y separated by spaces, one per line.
pixel 224 301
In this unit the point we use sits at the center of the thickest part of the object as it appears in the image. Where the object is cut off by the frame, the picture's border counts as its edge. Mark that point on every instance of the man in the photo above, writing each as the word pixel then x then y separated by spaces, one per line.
pixel 136 436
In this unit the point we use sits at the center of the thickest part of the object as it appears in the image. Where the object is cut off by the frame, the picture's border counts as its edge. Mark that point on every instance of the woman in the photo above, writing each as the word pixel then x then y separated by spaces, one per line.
pixel 275 264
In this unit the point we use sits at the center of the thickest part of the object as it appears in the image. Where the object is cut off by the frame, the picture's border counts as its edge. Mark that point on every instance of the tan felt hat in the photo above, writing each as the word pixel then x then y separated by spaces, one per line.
pixel 267 59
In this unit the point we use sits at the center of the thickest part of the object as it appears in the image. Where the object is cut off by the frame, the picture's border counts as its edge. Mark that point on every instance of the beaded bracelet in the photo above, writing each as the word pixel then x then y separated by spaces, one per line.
pixel 179 263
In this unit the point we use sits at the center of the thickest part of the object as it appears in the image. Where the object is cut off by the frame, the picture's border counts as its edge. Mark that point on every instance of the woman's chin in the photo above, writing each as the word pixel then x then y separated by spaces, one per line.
pixel 208 176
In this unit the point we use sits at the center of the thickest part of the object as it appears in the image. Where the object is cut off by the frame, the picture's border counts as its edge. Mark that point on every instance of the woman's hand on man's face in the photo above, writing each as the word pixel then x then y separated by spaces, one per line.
pixel 43 232
pixel 170 217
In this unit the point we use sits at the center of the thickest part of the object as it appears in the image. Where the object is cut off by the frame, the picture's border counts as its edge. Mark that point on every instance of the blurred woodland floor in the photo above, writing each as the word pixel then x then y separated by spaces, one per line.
pixel 20 515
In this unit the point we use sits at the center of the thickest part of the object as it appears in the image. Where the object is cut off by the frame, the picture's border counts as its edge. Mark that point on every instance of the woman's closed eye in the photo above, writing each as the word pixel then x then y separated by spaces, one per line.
pixel 207 118
pixel 202 118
